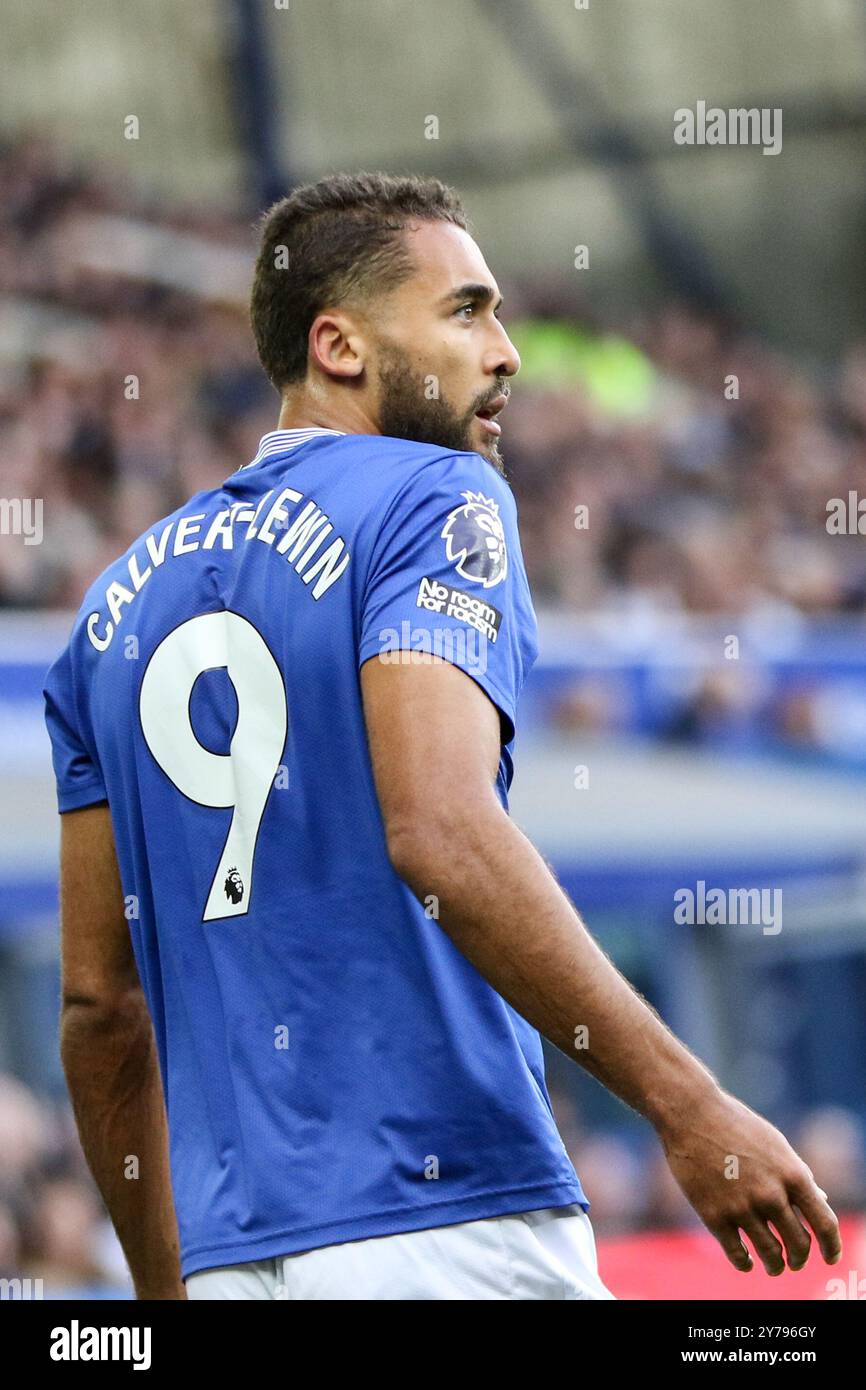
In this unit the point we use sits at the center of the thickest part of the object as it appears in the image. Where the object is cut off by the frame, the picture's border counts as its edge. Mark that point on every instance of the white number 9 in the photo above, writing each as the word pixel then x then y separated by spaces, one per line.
pixel 241 778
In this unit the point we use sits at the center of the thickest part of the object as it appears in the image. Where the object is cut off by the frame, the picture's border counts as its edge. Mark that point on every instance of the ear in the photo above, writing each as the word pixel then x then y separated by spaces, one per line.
pixel 336 345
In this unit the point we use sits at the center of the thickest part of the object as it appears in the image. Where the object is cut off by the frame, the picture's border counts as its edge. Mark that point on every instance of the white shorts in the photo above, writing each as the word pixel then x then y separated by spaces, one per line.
pixel 532 1254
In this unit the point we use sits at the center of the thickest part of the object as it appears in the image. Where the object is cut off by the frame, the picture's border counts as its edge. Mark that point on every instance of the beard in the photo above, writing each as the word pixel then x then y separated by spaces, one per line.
pixel 405 412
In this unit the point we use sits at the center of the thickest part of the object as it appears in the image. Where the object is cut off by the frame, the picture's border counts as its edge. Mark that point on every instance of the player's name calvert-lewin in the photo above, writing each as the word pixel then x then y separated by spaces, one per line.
pixel 298 537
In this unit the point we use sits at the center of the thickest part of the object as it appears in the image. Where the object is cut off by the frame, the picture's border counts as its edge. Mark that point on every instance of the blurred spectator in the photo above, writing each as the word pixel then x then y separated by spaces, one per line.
pixel 53 1225
pixel 831 1141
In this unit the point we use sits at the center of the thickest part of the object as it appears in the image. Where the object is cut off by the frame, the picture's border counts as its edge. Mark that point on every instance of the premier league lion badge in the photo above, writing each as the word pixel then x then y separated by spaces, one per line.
pixel 475 540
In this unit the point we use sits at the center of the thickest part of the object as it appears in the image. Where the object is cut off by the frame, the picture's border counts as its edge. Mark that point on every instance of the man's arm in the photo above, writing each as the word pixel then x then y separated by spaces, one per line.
pixel 432 730
pixel 109 1056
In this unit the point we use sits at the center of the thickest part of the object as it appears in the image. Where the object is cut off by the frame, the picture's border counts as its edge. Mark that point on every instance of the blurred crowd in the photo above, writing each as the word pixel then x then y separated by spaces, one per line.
pixel 54 1226
pixel 712 499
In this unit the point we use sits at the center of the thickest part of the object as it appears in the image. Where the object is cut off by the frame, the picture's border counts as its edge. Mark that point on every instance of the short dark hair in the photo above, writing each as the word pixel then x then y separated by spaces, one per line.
pixel 342 238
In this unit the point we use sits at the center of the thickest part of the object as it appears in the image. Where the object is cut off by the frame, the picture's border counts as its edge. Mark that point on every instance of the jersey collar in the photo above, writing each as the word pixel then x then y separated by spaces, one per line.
pixel 279 441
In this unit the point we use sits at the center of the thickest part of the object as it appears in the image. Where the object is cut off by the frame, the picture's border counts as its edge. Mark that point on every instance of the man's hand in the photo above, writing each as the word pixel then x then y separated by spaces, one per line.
pixel 739 1173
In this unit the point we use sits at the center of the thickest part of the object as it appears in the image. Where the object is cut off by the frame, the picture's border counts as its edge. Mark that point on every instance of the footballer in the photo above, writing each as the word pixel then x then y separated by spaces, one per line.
pixel 307 956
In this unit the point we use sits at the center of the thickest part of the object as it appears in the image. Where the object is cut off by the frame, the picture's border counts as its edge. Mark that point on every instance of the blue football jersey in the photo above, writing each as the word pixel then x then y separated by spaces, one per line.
pixel 333 1066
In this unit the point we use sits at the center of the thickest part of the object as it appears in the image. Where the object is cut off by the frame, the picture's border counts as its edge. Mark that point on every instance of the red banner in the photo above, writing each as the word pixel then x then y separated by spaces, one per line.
pixel 685 1265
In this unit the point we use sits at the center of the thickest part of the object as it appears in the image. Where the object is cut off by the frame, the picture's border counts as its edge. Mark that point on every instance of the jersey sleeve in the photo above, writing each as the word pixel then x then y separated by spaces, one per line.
pixel 446 576
pixel 77 775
